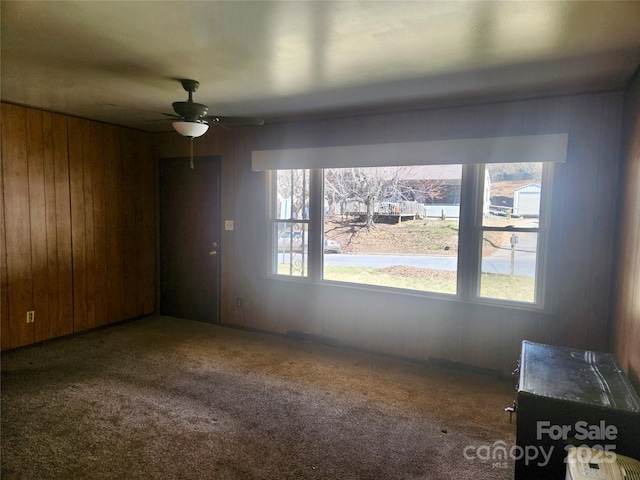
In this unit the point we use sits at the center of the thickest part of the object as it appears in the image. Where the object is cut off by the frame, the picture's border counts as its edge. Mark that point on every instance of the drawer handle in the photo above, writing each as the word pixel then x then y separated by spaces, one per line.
pixel 511 411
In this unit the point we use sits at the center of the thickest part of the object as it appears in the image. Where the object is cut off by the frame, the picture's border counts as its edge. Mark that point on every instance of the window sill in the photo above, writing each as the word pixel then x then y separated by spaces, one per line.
pixel 413 295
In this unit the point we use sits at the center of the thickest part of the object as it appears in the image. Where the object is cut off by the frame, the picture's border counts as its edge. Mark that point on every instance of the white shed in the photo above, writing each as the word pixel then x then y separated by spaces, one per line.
pixel 526 201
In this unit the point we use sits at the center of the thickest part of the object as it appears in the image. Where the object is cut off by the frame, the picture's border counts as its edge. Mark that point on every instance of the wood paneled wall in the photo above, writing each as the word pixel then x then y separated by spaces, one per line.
pixel 78 225
pixel 582 244
pixel 626 327
pixel 79 229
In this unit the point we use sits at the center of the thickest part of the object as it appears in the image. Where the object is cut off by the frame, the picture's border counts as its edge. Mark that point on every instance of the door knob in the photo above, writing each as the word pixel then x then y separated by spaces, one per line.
pixel 213 253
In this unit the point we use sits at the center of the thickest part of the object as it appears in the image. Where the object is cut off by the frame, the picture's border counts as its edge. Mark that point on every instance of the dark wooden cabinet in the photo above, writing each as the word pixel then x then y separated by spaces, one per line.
pixel 571 397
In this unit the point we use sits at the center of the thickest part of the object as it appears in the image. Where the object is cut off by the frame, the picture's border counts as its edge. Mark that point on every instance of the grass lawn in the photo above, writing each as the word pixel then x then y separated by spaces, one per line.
pixel 415 237
pixel 517 287
pixel 412 237
pixel 520 288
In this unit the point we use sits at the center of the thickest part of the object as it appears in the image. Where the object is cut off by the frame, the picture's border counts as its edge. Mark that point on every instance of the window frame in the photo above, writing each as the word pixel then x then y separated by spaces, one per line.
pixel 275 219
pixel 477 229
pixel 469 268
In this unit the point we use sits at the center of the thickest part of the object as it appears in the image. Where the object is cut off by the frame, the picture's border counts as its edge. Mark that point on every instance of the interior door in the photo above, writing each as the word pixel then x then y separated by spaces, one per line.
pixel 189 238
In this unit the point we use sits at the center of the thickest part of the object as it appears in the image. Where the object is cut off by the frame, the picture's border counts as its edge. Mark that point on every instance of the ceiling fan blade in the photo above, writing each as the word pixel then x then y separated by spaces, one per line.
pixel 234 121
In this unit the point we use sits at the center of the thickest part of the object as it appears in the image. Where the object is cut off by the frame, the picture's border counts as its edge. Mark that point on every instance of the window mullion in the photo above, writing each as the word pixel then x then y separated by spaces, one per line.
pixel 470 233
pixel 542 285
pixel 316 224
pixel 272 207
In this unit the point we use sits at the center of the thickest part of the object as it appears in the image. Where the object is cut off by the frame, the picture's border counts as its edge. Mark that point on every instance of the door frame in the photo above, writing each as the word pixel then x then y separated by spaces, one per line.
pixel 217 161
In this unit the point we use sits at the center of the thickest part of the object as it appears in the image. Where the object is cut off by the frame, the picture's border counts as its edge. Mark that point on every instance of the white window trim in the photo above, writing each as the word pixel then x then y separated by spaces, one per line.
pixel 469 249
pixel 470 246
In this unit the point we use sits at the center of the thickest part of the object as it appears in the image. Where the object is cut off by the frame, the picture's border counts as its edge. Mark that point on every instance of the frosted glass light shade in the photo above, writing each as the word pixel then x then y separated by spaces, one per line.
pixel 191 129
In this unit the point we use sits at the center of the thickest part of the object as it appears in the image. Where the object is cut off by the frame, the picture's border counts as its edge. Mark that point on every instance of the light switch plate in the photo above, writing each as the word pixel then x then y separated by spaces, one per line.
pixel 228 224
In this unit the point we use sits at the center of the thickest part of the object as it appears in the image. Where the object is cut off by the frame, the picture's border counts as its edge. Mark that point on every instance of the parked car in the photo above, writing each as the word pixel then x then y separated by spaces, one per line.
pixel 289 240
pixel 293 241
pixel 331 246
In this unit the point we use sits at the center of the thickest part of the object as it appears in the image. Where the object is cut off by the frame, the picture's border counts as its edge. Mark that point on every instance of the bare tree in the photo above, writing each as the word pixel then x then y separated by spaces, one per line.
pixel 365 186
pixel 356 190
pixel 425 190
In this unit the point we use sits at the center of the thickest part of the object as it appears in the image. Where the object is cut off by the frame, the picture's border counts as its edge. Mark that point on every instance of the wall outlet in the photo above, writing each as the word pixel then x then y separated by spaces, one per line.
pixel 228 225
pixel 238 301
pixel 31 315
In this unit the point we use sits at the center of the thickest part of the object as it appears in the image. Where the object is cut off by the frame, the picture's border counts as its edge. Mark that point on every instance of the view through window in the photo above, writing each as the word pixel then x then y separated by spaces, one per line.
pixel 399 227
pixel 396 226
pixel 290 223
pixel 510 231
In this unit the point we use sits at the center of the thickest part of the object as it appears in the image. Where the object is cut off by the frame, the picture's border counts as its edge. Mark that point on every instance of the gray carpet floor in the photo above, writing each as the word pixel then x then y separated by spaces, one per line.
pixel 164 398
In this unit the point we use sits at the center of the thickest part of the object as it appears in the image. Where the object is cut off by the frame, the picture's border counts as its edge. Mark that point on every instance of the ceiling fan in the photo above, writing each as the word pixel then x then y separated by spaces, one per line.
pixel 193 121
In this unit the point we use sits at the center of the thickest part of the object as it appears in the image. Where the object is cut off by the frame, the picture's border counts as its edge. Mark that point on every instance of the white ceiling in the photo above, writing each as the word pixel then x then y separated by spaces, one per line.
pixel 119 61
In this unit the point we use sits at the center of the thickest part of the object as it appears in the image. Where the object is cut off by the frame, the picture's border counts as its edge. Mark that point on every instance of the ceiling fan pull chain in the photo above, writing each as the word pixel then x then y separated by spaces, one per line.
pixel 191 153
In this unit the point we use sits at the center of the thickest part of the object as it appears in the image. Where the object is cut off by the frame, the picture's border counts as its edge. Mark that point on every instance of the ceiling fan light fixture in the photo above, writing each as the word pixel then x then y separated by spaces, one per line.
pixel 191 129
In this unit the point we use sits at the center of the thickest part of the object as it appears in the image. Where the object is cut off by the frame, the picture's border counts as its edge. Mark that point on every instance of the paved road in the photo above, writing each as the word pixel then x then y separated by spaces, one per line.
pixel 524 263
pixel 498 262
